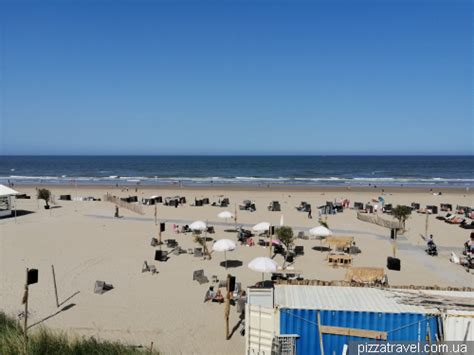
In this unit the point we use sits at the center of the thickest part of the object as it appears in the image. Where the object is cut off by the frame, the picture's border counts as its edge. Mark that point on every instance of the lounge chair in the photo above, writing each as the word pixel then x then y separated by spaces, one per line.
pixel 199 276
pixel 278 249
pixel 161 255
pixel 154 242
pixel 299 250
pixel 198 252
pixel 148 268
pixel 274 206
pixel 171 243
pixel 443 218
pixel 467 225
pixel 100 287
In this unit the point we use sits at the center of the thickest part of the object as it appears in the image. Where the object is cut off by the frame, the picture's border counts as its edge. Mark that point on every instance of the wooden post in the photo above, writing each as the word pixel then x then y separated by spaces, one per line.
pixel 426 225
pixel 270 241
pixel 321 345
pixel 15 209
pixel 55 286
pixel 227 309
pixel 25 321
pixel 394 245
pixel 159 238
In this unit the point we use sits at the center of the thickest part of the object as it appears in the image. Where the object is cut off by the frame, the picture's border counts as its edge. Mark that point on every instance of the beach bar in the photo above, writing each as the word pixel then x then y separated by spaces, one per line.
pixel 6 205
pixel 297 319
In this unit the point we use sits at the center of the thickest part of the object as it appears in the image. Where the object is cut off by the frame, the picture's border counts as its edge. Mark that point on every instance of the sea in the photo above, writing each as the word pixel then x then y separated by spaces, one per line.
pixel 430 171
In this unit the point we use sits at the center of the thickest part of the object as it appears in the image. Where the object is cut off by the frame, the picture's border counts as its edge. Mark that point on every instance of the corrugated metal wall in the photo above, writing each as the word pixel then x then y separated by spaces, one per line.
pixel 459 326
pixel 400 327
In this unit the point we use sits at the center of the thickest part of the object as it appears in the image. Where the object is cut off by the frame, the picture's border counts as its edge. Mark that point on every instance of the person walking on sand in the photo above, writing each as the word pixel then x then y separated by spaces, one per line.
pixel 310 216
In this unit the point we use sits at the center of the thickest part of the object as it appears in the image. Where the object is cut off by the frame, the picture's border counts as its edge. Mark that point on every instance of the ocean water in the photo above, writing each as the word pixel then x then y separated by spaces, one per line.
pixel 446 171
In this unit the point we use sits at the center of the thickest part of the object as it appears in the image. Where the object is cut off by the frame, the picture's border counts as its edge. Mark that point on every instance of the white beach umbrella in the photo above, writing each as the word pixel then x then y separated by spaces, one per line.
pixel 263 264
pixel 225 215
pixel 198 226
pixel 261 227
pixel 224 245
pixel 320 231
pixel 282 222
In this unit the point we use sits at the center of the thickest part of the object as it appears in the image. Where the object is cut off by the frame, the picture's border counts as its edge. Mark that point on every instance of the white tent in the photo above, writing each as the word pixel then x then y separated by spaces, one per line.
pixel 6 191
pixel 5 200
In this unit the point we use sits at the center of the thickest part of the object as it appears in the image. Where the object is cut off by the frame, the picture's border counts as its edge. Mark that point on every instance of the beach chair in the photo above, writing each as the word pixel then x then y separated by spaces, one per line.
pixel 199 276
pixel 148 268
pixel 198 252
pixel 101 287
pixel 278 249
pixel 154 242
pixel 299 250
pixel 190 251
pixel 171 243
pixel 301 235
pixel 211 230
pixel 161 255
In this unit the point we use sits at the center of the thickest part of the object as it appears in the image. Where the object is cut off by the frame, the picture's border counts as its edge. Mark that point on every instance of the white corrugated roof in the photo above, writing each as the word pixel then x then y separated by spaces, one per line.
pixel 359 299
pixel 459 326
pixel 6 191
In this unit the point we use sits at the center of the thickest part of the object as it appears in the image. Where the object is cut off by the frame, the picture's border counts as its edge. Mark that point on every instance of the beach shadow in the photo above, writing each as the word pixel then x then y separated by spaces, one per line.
pixel 19 213
pixel 235 327
pixel 67 299
pixel 230 230
pixel 209 239
pixel 65 308
pixel 232 263
pixel 321 248
pixel 54 207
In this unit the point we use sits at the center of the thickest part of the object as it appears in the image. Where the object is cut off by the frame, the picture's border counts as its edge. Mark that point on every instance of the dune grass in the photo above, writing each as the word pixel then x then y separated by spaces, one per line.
pixel 43 342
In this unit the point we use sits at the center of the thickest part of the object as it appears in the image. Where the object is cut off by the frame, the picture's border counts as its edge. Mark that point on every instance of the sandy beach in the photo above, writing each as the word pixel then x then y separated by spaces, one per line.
pixel 85 243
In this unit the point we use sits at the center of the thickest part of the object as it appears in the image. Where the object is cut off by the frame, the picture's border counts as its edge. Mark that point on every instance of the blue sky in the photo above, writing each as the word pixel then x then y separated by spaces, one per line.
pixel 236 77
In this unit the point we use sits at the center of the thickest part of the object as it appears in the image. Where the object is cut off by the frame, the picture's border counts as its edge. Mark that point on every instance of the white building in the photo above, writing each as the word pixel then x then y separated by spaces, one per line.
pixel 6 204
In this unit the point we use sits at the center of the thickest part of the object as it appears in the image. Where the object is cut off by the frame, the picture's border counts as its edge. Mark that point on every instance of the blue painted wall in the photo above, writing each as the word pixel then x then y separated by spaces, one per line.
pixel 400 327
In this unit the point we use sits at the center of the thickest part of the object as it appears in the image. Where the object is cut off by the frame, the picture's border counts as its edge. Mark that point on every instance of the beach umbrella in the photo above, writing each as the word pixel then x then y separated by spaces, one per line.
pixel 261 227
pixel 198 226
pixel 320 231
pixel 263 264
pixel 276 242
pixel 225 215
pixel 224 245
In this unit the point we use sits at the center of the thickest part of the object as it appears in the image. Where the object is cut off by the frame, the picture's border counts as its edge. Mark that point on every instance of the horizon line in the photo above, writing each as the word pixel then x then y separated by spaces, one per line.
pixel 246 155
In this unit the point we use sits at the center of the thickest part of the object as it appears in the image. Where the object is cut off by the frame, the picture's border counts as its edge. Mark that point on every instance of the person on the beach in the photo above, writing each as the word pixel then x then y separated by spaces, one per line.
pixel 309 213
pixel 218 297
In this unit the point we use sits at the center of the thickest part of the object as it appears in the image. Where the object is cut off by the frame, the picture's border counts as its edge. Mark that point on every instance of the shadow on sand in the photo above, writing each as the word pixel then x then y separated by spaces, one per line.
pixel 232 263
pixel 321 248
pixel 65 308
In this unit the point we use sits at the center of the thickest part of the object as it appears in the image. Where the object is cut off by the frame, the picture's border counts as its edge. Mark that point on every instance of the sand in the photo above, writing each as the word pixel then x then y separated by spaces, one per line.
pixel 85 244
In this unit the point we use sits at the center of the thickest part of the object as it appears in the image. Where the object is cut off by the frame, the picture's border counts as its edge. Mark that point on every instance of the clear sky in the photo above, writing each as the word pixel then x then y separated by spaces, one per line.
pixel 236 77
